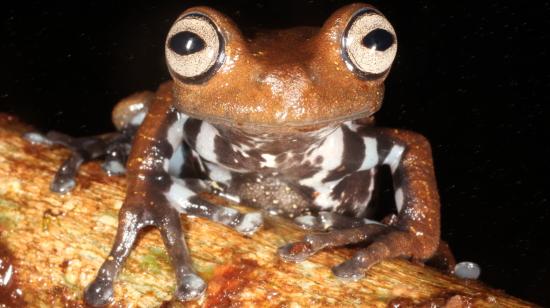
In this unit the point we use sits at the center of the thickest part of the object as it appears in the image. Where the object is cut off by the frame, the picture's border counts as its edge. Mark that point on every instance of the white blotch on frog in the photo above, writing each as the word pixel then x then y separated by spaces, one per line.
pixel 218 173
pixel 179 195
pixel 324 195
pixel 176 162
pixel 138 119
pixel 394 157
pixel 306 220
pixel 399 199
pixel 370 159
pixel 205 145
pixel 114 167
pixel 372 222
pixel 269 161
pixel 174 135
pixel 250 223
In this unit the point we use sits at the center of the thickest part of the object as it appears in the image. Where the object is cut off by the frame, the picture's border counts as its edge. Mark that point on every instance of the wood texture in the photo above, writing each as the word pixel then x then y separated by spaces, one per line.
pixel 57 243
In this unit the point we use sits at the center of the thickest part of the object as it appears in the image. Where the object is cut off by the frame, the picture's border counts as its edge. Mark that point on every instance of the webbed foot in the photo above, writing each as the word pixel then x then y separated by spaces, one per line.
pixel 114 146
pixel 348 270
pixel 190 287
pixel 296 252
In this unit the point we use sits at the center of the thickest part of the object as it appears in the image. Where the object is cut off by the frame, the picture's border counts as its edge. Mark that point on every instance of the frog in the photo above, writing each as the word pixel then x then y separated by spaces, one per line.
pixel 277 120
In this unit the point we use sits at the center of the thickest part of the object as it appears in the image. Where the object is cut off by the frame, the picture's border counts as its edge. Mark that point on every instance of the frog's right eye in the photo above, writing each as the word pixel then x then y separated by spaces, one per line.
pixel 194 48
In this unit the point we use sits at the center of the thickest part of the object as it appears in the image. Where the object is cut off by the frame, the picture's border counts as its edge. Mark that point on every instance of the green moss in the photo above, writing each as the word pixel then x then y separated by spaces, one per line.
pixel 160 253
pixel 8 204
pixel 153 260
pixel 150 264
pixel 7 221
pixel 206 271
pixel 111 213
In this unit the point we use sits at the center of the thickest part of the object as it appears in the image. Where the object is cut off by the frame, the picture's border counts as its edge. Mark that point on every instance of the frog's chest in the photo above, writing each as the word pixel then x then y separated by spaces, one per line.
pixel 293 180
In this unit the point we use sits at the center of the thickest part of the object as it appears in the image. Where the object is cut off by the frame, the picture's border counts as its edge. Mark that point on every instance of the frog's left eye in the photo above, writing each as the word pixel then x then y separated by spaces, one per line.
pixel 369 44
pixel 194 48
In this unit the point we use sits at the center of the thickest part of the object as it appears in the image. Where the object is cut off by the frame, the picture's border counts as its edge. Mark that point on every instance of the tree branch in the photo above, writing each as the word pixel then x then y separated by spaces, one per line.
pixel 57 242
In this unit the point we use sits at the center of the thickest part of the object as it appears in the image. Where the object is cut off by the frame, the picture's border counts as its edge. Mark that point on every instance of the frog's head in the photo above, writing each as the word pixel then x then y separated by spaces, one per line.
pixel 298 78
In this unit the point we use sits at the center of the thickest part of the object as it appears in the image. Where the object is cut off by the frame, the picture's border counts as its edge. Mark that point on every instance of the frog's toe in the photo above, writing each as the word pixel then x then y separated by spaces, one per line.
pixel 62 185
pixel 307 222
pixel 191 287
pixel 467 270
pixel 99 293
pixel 295 252
pixel 37 138
pixel 113 167
pixel 250 223
pixel 348 270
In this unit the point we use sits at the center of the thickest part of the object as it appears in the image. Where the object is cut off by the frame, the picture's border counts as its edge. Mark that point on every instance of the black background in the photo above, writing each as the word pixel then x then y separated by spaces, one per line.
pixel 471 76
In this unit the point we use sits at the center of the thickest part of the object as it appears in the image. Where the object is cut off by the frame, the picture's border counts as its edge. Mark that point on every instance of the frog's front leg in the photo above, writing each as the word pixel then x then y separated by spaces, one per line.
pixel 155 198
pixel 415 233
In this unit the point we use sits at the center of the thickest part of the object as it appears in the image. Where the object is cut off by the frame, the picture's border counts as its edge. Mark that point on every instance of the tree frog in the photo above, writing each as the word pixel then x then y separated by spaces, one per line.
pixel 278 120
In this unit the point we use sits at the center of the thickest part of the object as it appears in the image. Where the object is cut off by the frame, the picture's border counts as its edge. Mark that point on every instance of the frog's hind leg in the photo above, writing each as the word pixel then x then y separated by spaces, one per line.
pixel 414 233
pixel 82 150
pixel 128 114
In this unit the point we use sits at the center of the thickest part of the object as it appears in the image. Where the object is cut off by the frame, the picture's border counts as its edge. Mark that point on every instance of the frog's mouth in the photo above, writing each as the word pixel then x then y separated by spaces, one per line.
pixel 265 115
pixel 281 127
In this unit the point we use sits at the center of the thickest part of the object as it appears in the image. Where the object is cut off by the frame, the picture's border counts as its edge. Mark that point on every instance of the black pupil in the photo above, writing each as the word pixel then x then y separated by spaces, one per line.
pixel 186 43
pixel 378 39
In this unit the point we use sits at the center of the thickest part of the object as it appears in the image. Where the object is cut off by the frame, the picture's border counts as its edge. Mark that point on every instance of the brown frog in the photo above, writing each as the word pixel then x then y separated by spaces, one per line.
pixel 278 120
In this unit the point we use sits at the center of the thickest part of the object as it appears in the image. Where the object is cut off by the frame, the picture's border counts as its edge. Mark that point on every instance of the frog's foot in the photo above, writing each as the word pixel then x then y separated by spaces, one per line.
pixel 190 287
pixel 312 243
pixel 391 244
pixel 64 179
pixel 325 220
pixel 296 252
pixel 99 293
